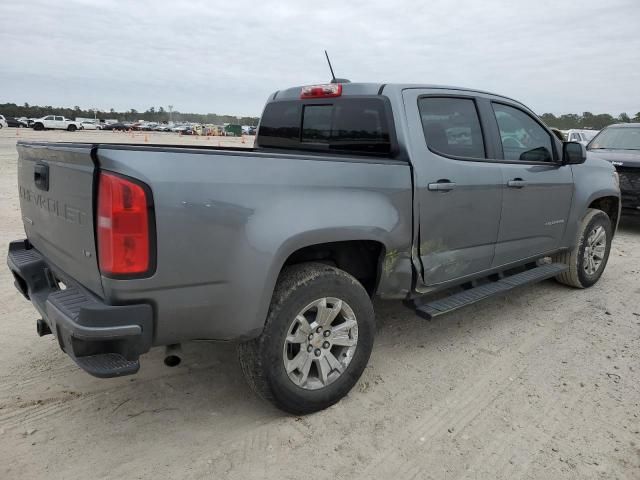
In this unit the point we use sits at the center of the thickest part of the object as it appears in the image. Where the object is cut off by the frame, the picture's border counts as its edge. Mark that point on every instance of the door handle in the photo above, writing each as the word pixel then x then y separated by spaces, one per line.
pixel 41 176
pixel 517 183
pixel 441 186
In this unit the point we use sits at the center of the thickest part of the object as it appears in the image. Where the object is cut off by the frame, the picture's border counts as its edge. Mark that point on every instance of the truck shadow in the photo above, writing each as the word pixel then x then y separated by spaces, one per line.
pixel 208 388
pixel 206 396
pixel 629 224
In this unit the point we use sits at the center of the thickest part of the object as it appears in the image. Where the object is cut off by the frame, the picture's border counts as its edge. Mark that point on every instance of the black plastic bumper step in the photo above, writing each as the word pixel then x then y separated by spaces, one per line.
pixel 106 365
pixel 467 297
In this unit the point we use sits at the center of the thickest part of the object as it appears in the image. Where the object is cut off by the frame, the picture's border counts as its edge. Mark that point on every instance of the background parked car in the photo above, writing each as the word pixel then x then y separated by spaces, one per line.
pixel 581 136
pixel 118 126
pixel 15 122
pixel 620 145
pixel 89 126
pixel 55 122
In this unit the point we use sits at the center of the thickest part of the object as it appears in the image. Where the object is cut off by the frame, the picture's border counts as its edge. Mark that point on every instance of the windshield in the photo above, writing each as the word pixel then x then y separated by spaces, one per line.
pixel 589 134
pixel 620 138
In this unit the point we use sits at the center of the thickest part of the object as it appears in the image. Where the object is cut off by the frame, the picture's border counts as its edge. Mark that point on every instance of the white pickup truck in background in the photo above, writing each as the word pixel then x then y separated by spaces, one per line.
pixel 55 122
pixel 582 136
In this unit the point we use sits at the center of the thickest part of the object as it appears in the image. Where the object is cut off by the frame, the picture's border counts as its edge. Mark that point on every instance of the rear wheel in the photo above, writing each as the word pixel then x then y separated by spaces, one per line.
pixel 316 342
pixel 589 257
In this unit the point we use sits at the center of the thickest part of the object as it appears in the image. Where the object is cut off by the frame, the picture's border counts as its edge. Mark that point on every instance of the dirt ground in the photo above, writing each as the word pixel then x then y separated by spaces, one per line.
pixel 542 383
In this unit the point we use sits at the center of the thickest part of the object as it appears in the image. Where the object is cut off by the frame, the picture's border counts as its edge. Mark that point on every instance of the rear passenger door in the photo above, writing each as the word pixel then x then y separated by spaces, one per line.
pixel 538 189
pixel 459 192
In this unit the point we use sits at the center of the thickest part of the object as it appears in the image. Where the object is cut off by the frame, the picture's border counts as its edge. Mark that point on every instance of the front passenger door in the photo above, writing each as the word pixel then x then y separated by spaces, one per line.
pixel 537 189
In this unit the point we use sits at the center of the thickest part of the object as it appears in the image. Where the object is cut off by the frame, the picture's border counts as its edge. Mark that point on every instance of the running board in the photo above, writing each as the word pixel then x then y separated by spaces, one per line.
pixel 473 295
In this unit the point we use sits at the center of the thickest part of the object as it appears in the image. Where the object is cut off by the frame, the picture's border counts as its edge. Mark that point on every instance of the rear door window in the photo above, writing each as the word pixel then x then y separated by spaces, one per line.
pixel 451 126
pixel 522 137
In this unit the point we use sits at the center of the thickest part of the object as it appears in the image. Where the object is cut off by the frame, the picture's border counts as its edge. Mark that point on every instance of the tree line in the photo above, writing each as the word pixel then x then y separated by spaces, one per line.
pixel 152 114
pixel 586 120
pixel 162 114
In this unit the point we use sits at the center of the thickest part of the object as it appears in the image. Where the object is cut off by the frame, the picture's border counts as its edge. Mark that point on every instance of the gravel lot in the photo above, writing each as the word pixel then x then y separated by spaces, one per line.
pixel 542 383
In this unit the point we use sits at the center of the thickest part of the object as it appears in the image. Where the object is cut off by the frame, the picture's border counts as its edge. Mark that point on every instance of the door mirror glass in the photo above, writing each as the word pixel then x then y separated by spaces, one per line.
pixel 573 153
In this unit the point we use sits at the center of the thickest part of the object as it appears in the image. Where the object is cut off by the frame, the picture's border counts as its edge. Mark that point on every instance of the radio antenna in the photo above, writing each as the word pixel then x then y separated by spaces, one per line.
pixel 333 76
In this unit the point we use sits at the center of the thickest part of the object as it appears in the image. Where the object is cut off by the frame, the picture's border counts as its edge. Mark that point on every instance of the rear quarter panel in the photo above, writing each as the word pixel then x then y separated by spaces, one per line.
pixel 227 221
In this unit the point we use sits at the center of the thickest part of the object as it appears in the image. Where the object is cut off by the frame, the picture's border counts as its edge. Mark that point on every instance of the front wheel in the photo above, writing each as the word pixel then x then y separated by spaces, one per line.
pixel 590 254
pixel 38 127
pixel 316 342
pixel 71 128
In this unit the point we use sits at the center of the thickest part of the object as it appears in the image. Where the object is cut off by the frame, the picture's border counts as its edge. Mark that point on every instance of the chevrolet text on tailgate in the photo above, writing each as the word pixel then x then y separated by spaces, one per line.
pixel 353 190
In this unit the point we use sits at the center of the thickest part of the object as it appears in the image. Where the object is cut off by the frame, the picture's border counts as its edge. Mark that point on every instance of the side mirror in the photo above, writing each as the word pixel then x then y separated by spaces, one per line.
pixel 573 153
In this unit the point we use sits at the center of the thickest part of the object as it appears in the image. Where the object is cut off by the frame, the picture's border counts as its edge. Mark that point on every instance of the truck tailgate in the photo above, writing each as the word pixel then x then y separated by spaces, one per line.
pixel 56 199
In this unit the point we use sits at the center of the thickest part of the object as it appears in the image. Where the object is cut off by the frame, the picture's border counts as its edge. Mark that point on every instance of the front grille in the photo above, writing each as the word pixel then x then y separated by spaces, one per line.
pixel 629 186
pixel 629 178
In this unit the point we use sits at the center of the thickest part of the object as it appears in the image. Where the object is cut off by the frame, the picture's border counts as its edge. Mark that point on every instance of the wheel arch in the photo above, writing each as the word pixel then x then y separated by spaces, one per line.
pixel 362 259
pixel 609 204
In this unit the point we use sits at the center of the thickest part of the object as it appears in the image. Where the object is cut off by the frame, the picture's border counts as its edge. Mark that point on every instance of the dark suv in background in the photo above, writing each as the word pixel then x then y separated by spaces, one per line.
pixel 620 145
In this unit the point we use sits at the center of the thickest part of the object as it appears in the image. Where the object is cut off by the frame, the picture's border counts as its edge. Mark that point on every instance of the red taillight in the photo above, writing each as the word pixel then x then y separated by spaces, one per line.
pixel 322 91
pixel 124 242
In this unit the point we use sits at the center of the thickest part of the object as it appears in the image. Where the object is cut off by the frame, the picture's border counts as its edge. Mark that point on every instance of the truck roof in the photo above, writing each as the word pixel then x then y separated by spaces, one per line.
pixel 363 88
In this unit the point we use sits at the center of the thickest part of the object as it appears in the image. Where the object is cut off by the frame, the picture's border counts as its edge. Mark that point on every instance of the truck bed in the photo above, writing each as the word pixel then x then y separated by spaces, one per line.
pixel 226 220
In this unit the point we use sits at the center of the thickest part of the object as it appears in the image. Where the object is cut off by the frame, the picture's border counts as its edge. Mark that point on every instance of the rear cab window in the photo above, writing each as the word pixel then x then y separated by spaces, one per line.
pixel 358 125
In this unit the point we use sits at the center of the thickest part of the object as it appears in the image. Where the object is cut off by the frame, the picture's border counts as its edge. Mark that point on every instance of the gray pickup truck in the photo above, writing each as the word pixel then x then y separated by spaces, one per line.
pixel 437 196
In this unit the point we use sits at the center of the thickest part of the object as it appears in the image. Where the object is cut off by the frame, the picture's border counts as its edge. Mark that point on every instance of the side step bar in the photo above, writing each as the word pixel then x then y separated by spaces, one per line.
pixel 438 307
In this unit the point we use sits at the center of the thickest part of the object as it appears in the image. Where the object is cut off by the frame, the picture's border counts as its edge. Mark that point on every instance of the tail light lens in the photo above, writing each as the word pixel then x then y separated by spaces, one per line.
pixel 124 237
pixel 321 91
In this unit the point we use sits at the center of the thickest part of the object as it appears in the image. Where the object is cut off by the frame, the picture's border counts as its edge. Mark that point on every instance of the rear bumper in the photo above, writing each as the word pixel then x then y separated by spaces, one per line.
pixel 104 340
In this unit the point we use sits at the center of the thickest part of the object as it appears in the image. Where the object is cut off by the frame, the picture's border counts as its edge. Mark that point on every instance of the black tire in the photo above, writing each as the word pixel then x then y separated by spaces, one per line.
pixel 38 127
pixel 71 128
pixel 262 359
pixel 576 276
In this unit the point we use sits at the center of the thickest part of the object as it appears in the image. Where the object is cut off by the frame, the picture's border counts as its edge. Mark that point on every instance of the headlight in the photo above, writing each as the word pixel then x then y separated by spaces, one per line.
pixel 616 178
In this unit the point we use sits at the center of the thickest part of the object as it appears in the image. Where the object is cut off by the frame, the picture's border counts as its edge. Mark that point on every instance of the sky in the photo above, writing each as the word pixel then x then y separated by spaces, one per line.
pixel 226 57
